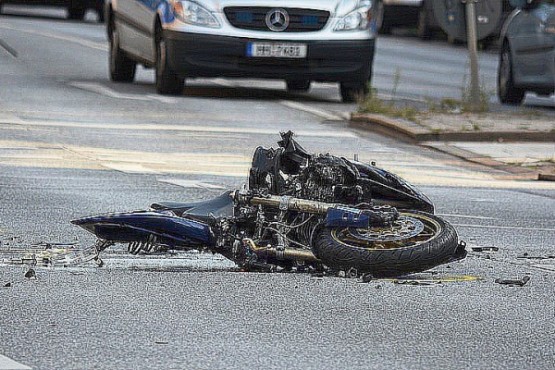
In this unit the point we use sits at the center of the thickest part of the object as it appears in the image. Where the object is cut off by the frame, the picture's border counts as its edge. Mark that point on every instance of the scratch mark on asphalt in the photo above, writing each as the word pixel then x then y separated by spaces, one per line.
pixel 8 48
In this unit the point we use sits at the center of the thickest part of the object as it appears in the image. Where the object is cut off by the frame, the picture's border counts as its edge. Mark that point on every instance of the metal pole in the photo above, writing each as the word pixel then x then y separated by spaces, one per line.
pixel 472 39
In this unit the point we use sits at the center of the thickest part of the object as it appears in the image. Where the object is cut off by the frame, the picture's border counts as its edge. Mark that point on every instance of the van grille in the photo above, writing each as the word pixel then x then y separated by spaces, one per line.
pixel 254 18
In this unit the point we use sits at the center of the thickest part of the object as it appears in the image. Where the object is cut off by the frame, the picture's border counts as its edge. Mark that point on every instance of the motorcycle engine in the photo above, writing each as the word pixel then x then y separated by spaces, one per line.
pixel 328 178
pixel 289 170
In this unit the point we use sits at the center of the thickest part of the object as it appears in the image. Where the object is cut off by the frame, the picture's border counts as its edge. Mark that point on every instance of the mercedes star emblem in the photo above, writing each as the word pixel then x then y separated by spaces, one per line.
pixel 277 20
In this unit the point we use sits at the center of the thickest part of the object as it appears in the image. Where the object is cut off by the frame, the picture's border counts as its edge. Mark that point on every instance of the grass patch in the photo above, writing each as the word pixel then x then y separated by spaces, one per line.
pixel 373 104
pixel 482 103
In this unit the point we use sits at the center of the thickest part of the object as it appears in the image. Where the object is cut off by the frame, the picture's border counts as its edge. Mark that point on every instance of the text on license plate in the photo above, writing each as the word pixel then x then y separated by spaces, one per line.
pixel 276 50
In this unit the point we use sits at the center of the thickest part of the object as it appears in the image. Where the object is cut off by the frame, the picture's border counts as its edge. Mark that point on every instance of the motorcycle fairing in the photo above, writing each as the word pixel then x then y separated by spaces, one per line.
pixel 204 211
pixel 381 185
pixel 165 227
pixel 389 188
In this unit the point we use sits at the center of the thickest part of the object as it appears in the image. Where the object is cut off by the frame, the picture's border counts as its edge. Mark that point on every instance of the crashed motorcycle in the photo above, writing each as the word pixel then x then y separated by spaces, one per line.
pixel 299 212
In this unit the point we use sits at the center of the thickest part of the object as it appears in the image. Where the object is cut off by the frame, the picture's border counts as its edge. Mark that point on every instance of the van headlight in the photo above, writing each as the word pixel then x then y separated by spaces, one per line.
pixel 194 13
pixel 355 20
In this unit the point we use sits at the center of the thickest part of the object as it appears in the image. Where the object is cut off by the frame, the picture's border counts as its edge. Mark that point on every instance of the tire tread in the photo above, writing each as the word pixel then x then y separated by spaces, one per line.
pixel 389 262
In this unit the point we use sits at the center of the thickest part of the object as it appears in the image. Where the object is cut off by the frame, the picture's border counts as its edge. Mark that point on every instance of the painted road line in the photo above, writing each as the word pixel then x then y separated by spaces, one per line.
pixel 293 105
pixel 7 363
pixel 106 91
pixel 192 184
pixel 184 128
pixel 228 164
pixel 467 216
pixel 57 36
pixel 129 168
pixel 504 227
pixel 312 110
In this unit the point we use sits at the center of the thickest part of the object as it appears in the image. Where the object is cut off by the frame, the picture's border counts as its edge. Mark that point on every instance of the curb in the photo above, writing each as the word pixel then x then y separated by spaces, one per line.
pixel 439 141
pixel 546 177
pixel 479 159
pixel 418 133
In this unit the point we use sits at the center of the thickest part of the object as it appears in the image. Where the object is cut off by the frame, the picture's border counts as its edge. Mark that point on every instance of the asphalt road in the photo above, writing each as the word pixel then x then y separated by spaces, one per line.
pixel 72 144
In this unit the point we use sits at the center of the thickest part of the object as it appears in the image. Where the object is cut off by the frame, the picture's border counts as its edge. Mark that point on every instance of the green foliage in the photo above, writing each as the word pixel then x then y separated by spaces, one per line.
pixel 446 105
pixel 467 104
pixel 373 104
pixel 396 80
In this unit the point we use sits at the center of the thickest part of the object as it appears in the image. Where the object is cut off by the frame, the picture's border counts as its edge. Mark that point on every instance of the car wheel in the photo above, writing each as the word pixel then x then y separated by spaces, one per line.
pixel 76 11
pixel 378 14
pixel 506 90
pixel 167 81
pixel 352 92
pixel 423 28
pixel 385 20
pixel 100 11
pixel 122 68
pixel 298 85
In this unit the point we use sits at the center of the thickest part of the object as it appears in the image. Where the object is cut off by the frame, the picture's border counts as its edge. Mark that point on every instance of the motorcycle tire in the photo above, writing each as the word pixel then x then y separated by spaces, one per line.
pixel 345 249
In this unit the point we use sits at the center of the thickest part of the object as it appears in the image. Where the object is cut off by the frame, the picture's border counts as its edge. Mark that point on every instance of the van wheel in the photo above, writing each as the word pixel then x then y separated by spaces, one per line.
pixel 100 11
pixel 76 11
pixel 167 81
pixel 122 68
pixel 298 85
pixel 352 92
pixel 423 28
pixel 378 16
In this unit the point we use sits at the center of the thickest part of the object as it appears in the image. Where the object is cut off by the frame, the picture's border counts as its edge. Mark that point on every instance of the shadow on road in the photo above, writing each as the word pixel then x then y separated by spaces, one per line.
pixel 240 92
pixel 54 14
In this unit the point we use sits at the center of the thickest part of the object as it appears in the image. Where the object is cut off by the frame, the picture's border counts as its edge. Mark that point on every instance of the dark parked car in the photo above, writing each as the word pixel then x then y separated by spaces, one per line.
pixel 420 15
pixel 527 57
pixel 75 8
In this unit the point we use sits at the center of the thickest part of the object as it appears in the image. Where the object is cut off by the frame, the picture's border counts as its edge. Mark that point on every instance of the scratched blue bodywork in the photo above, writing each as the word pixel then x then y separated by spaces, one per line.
pixel 141 225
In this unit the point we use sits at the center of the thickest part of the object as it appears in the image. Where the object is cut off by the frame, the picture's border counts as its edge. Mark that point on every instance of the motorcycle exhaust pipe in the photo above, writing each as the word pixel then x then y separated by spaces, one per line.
pixel 286 254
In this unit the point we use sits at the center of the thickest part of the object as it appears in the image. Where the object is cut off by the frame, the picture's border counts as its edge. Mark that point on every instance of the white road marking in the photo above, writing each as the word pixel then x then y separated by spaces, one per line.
pixel 293 105
pixel 163 99
pixel 106 91
pixel 192 184
pixel 76 40
pixel 129 168
pixel 467 216
pixel 312 110
pixel 504 227
pixel 187 128
pixel 7 363
pixel 222 82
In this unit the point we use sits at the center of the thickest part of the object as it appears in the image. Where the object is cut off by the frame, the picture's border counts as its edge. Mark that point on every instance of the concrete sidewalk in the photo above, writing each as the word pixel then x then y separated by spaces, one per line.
pixel 519 143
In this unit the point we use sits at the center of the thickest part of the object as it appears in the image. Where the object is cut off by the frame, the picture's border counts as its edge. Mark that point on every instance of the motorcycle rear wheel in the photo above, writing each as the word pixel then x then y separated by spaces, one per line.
pixel 416 242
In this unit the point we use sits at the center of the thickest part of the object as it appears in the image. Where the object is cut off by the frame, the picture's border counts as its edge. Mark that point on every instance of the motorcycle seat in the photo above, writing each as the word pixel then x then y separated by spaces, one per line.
pixel 221 206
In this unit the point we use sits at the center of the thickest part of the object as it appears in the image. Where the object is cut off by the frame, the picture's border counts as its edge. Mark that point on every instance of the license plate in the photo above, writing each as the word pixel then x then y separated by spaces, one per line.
pixel 276 50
